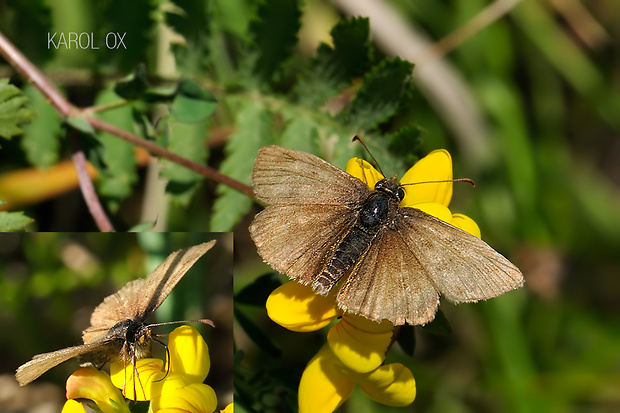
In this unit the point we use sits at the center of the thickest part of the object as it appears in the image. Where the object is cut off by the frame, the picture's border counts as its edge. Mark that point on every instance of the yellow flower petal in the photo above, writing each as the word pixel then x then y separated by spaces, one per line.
pixel 149 381
pixel 93 384
pixel 229 409
pixel 363 171
pixel 436 210
pixel 295 306
pixel 195 397
pixel 73 406
pixel 189 354
pixel 323 387
pixel 392 385
pixel 436 166
pixel 360 344
pixel 466 224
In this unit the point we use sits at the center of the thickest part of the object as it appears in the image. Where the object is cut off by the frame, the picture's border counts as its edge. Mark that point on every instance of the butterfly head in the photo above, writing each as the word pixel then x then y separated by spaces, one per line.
pixel 391 187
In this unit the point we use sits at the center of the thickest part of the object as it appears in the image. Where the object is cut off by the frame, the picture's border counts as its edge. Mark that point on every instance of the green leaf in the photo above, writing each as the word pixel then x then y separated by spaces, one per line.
pixel 81 124
pixel 192 103
pixel 256 334
pixel 41 140
pixel 13 112
pixel 253 130
pixel 134 86
pixel 274 32
pixel 13 221
pixel 193 23
pixel 379 97
pixel 188 140
pixel 117 178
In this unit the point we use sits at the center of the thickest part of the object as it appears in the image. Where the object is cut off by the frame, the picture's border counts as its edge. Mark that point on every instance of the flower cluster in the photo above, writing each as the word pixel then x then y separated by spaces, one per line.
pixel 180 389
pixel 356 347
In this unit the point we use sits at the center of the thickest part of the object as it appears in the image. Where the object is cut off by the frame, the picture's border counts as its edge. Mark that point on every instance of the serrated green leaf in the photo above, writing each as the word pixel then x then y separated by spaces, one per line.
pixel 41 140
pixel 126 32
pixel 274 33
pixel 13 221
pixel 119 174
pixel 379 97
pixel 13 112
pixel 192 103
pixel 334 68
pixel 300 133
pixel 188 140
pixel 406 143
pixel 253 130
pixel 193 24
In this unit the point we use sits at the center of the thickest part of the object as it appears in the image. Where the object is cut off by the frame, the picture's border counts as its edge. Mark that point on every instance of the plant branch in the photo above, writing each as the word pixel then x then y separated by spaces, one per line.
pixel 87 188
pixel 34 76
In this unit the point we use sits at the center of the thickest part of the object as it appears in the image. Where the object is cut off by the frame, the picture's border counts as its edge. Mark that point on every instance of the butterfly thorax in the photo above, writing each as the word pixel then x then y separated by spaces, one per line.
pixel 126 340
pixel 377 211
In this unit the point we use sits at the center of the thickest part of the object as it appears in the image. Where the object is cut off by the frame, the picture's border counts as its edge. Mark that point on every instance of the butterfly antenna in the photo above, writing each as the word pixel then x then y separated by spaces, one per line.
pixel 360 140
pixel 200 320
pixel 467 180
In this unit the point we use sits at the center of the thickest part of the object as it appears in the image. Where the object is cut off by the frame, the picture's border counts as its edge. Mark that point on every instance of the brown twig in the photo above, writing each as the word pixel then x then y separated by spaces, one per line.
pixel 34 76
pixel 87 188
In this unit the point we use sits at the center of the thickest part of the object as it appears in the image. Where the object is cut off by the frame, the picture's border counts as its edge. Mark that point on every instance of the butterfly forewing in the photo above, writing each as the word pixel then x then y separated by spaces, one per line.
pixel 462 267
pixel 43 362
pixel 286 176
pixel 139 298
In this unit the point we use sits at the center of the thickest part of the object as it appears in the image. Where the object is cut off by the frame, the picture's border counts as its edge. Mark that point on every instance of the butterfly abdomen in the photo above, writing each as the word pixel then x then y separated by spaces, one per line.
pixel 376 212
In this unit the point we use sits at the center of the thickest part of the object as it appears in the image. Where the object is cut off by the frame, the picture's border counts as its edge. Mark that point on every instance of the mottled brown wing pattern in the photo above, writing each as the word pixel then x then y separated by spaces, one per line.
pixel 305 237
pixel 43 362
pixel 462 267
pixel 287 176
pixel 388 282
pixel 139 298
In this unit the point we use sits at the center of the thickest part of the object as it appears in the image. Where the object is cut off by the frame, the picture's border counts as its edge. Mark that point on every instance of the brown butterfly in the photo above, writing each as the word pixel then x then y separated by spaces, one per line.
pixel 117 329
pixel 324 227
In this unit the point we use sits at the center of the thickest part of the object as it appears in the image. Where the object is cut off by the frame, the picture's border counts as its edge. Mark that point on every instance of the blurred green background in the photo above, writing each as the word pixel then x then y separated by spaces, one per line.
pixel 51 282
pixel 529 107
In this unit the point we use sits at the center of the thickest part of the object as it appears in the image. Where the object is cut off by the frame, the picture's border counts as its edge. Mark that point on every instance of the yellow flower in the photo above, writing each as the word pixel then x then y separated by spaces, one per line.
pixel 326 383
pixel 356 347
pixel 93 384
pixel 180 389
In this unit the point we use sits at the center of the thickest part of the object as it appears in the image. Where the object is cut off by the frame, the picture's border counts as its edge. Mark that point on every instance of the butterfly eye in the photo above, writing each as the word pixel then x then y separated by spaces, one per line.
pixel 400 194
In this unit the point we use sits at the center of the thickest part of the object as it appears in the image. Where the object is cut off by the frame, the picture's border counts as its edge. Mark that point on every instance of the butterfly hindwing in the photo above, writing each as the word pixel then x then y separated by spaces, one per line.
pixel 305 237
pixel 388 283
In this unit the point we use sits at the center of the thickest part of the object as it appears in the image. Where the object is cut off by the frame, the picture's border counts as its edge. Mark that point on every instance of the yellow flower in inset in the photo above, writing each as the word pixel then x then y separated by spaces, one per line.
pixel 93 384
pixel 73 406
pixel 229 409
pixel 181 387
